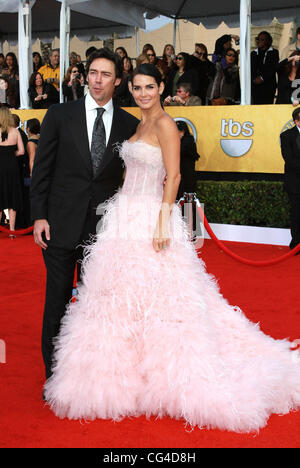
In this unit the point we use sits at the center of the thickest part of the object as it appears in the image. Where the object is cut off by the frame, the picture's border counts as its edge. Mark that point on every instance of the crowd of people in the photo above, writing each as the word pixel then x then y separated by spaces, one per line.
pixel 190 79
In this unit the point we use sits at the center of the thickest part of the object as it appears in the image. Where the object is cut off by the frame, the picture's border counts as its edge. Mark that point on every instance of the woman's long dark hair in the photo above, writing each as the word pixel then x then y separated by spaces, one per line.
pixel 15 66
pixel 183 127
pixel 33 78
pixel 37 54
pixel 219 46
pixel 186 58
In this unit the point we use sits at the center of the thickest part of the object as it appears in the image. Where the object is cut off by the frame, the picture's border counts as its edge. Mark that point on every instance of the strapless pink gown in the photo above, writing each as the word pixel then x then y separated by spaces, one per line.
pixel 150 333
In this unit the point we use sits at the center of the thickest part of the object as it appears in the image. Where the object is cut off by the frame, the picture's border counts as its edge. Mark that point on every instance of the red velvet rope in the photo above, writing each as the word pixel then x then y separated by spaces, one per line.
pixel 220 244
pixel 237 257
pixel 18 232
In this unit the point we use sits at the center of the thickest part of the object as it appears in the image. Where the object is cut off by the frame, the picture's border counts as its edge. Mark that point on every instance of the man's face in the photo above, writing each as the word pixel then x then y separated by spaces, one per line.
pixel 54 59
pixel 262 42
pixel 297 122
pixel 199 53
pixel 102 80
pixel 182 93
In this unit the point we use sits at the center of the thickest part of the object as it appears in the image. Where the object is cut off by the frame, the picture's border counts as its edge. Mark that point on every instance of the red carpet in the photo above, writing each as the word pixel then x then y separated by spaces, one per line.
pixel 267 295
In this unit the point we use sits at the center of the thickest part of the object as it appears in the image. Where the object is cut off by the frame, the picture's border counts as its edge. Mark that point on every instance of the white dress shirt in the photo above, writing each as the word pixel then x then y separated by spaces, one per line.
pixel 91 114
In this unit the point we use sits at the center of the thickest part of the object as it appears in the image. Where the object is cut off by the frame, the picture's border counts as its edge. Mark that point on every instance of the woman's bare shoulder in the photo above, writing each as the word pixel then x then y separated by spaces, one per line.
pixel 166 125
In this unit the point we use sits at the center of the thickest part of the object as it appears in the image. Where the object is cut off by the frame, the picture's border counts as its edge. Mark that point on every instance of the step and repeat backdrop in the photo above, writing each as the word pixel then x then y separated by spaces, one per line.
pixel 229 138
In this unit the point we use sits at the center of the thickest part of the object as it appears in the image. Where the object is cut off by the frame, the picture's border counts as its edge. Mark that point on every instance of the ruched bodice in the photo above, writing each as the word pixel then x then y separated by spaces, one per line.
pixel 145 171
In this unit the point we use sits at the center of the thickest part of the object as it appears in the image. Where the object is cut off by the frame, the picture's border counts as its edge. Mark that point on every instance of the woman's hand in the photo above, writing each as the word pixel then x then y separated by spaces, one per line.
pixel 161 238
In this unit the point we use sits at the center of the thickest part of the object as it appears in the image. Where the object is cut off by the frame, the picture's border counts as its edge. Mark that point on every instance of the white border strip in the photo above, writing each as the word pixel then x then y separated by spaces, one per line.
pixel 251 234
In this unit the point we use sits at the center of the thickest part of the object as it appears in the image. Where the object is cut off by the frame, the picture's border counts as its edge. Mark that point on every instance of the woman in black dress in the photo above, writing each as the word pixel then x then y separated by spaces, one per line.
pixel 188 157
pixel 33 131
pixel 11 71
pixel 11 145
pixel 42 95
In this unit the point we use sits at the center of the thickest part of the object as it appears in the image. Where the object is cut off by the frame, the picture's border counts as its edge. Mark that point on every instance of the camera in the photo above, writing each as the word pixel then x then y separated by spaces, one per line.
pixel 77 76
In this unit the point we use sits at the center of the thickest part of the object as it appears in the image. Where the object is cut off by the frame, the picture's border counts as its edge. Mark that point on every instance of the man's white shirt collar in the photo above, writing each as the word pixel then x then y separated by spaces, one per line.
pixel 91 104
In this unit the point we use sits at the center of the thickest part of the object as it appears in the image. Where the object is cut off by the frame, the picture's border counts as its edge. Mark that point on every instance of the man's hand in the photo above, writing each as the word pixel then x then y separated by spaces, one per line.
pixel 179 100
pixel 168 100
pixel 41 226
pixel 259 80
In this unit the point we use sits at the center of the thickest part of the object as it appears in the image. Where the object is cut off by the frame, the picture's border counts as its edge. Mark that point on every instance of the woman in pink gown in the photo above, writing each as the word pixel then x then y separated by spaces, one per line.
pixel 150 333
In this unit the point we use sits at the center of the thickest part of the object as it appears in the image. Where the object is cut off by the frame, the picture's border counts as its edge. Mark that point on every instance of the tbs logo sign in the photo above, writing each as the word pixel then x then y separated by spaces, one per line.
pixel 236 147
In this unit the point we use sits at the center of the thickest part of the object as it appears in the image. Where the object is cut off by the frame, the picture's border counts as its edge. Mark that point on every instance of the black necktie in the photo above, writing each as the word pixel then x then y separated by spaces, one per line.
pixel 98 146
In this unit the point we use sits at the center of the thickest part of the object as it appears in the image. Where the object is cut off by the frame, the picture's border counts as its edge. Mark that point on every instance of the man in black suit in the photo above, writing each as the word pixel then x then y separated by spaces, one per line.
pixel 290 148
pixel 264 61
pixel 77 167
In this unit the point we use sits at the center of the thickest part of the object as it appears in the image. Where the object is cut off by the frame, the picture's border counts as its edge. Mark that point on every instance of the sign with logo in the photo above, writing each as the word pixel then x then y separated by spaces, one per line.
pixel 234 146
pixel 238 138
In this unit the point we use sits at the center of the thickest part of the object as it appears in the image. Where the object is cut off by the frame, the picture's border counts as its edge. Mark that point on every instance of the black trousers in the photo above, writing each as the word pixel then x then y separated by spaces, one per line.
pixel 60 265
pixel 295 219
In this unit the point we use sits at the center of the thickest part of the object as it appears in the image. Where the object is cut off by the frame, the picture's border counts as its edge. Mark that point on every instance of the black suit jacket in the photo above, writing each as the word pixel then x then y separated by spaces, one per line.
pixel 265 92
pixel 63 188
pixel 290 149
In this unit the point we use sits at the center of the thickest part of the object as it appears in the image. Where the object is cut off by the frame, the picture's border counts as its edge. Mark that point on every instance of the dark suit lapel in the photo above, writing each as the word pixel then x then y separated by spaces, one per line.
pixel 79 129
pixel 297 136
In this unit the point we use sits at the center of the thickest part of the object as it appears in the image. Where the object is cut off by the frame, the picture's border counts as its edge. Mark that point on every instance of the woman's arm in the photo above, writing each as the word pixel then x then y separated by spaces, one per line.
pixel 169 141
pixel 20 151
pixel 31 150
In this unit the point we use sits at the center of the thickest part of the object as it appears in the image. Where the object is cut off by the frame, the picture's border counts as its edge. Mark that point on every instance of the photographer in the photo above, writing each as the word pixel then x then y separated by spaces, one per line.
pixel 73 84
pixel 42 95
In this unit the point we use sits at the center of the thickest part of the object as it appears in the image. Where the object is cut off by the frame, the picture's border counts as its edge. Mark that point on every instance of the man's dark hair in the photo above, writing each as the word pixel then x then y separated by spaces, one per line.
pixel 268 36
pixel 34 126
pixel 108 55
pixel 89 51
pixel 296 114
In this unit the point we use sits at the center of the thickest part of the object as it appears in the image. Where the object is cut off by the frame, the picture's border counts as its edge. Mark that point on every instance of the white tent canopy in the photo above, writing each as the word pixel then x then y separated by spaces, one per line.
pixel 211 13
